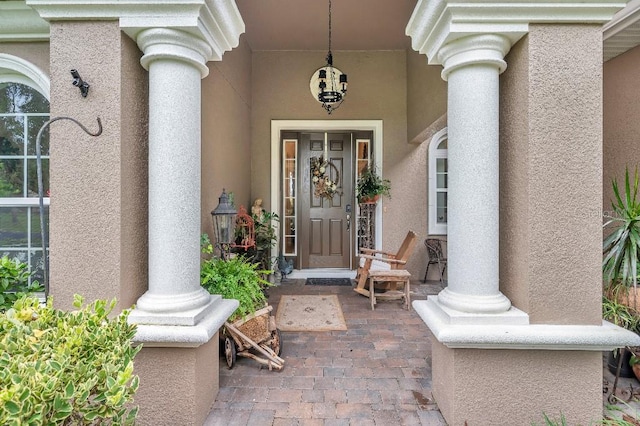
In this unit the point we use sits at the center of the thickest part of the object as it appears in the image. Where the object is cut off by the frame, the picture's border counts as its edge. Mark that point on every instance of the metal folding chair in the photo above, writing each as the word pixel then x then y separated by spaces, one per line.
pixel 436 257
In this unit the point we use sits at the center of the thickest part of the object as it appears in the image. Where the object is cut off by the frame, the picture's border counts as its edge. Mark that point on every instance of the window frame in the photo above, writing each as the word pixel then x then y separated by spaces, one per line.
pixel 434 227
pixel 17 70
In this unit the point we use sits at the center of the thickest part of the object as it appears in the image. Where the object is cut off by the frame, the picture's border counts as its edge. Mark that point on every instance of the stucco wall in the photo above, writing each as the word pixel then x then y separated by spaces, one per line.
pixel 177 385
pixel 226 131
pixel 37 53
pixel 377 90
pixel 426 93
pixel 502 387
pixel 134 145
pixel 98 206
pixel 551 148
pixel 514 176
pixel 621 125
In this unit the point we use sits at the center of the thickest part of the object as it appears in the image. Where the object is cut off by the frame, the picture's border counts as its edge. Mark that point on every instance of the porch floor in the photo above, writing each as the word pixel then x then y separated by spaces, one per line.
pixel 378 372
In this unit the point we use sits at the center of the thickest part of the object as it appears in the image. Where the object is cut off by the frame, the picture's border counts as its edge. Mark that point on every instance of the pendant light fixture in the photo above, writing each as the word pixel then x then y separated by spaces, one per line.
pixel 328 84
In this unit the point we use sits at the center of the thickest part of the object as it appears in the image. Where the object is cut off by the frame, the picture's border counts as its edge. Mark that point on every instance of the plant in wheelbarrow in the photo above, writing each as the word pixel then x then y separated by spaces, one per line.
pixel 250 331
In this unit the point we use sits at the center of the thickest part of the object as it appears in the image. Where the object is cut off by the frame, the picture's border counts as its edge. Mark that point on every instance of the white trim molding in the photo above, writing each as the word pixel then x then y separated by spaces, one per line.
pixel 434 23
pixel 622 20
pixel 217 22
pixel 622 33
pixel 19 22
pixel 21 71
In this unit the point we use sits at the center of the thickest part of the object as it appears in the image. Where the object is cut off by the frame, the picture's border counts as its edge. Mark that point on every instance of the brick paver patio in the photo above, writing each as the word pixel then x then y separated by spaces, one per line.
pixel 378 372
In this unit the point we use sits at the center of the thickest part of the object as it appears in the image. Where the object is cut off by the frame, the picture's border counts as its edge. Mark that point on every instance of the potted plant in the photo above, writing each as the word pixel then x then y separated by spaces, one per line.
pixel 266 238
pixel 625 317
pixel 251 324
pixel 371 186
pixel 621 248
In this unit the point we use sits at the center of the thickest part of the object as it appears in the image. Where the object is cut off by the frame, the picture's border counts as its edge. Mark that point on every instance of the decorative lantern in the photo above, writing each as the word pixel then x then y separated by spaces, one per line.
pixel 328 84
pixel 224 223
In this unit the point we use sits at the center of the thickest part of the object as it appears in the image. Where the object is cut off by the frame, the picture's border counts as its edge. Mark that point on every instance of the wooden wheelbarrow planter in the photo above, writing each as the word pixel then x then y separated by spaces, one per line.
pixel 256 332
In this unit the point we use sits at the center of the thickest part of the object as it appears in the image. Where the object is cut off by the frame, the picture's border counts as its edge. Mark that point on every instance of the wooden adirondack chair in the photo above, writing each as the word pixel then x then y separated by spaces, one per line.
pixel 371 260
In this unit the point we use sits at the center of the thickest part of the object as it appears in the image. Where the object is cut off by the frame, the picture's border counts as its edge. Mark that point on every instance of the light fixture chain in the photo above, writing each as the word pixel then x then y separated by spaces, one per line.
pixel 329 26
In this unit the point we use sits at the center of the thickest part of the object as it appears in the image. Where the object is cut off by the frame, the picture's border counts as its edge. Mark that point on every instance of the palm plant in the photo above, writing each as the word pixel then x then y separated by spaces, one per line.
pixel 621 247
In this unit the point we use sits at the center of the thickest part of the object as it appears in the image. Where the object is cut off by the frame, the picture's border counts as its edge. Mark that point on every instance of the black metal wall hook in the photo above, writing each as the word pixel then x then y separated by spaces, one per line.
pixel 43 233
pixel 80 83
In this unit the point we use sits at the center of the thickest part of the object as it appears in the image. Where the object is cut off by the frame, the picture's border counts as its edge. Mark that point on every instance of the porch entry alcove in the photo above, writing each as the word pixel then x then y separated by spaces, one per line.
pixel 320 234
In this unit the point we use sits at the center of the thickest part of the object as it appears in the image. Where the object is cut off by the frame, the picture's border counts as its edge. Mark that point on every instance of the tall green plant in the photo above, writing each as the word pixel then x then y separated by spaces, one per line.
pixel 621 247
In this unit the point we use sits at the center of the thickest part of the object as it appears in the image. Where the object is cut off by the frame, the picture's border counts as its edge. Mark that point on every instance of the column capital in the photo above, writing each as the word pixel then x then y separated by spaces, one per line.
pixel 217 22
pixel 167 43
pixel 488 49
pixel 434 23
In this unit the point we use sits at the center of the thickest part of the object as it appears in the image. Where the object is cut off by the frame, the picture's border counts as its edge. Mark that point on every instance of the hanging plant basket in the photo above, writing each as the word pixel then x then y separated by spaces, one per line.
pixel 371 186
pixel 370 200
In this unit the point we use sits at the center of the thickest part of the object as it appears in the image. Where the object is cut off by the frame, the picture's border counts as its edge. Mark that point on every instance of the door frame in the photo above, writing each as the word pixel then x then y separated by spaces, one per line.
pixel 277 126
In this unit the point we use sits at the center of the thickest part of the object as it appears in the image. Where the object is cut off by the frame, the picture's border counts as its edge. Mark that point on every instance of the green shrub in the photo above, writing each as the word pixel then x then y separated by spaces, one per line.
pixel 14 282
pixel 66 368
pixel 235 278
pixel 548 421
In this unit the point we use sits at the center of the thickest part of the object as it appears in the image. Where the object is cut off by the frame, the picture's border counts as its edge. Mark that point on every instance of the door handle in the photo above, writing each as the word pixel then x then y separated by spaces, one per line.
pixel 348 222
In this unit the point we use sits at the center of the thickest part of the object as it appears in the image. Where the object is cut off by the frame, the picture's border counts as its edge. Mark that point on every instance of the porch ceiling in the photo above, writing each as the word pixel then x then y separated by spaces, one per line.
pixel 303 24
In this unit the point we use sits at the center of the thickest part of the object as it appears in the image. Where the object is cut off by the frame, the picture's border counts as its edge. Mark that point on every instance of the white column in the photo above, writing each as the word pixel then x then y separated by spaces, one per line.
pixel 176 63
pixel 472 66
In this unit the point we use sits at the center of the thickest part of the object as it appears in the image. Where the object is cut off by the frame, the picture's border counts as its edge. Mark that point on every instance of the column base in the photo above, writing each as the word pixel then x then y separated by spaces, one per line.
pixel 511 330
pixel 163 304
pixel 182 329
pixel 539 369
pixel 493 304
pixel 515 387
pixel 177 385
pixel 179 364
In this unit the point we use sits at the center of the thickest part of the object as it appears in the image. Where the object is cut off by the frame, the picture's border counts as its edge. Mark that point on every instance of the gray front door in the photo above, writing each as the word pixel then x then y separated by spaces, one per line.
pixel 325 225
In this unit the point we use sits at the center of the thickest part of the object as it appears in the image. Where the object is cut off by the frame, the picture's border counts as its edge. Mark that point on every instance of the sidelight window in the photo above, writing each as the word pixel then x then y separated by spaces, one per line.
pixel 289 222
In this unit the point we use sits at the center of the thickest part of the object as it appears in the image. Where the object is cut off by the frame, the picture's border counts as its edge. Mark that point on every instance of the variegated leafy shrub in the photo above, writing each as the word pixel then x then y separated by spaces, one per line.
pixel 66 368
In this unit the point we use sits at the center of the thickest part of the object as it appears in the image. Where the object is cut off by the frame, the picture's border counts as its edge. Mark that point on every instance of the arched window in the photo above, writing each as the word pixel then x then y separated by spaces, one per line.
pixel 24 108
pixel 438 183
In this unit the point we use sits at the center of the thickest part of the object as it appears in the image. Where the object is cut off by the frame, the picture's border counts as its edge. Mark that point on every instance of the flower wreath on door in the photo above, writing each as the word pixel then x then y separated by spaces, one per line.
pixel 324 186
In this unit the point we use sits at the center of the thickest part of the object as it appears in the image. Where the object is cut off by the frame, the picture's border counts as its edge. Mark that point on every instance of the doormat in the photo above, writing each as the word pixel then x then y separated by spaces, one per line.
pixel 329 281
pixel 310 313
